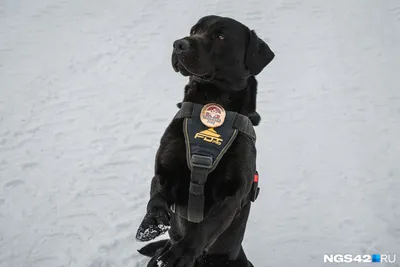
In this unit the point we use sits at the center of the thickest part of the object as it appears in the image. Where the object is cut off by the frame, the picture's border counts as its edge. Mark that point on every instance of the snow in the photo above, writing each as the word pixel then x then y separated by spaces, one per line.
pixel 86 91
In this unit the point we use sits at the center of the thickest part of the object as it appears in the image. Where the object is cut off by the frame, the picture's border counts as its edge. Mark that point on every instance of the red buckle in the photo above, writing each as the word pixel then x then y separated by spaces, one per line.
pixel 255 190
pixel 256 177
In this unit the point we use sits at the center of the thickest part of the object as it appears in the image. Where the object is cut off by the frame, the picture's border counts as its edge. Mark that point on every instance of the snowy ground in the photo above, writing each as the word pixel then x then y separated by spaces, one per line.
pixel 86 90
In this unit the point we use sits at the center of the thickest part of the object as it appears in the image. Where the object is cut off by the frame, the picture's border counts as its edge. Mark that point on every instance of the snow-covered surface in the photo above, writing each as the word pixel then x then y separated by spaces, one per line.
pixel 86 90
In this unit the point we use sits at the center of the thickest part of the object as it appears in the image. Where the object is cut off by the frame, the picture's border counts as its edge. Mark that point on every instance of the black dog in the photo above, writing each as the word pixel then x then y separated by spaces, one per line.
pixel 221 57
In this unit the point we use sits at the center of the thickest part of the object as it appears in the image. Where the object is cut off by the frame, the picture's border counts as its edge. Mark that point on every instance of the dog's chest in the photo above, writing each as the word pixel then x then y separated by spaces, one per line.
pixel 209 132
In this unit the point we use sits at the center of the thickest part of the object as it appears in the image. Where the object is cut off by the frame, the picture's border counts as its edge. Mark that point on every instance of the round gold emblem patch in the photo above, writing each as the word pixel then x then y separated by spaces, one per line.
pixel 212 115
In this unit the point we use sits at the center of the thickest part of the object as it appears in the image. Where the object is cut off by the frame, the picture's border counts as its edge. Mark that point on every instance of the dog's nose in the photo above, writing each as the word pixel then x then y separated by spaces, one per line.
pixel 181 45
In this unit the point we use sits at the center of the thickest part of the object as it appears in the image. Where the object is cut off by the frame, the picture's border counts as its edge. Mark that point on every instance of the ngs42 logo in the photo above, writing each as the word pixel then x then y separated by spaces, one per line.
pixel 347 258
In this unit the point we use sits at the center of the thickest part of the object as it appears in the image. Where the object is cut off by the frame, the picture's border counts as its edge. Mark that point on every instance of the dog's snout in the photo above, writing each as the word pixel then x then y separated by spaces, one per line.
pixel 181 45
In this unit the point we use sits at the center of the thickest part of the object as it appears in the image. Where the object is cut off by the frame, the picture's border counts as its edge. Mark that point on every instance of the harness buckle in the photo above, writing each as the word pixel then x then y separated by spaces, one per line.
pixel 199 161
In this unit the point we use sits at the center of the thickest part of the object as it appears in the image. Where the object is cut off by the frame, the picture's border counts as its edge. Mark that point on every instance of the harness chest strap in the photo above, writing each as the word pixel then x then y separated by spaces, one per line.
pixel 205 148
pixel 241 123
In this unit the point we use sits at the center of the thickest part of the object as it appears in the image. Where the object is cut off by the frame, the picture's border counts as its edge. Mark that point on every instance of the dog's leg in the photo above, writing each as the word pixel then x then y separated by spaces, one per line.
pixel 150 250
pixel 170 162
pixel 242 260
pixel 153 260
pixel 199 236
pixel 156 220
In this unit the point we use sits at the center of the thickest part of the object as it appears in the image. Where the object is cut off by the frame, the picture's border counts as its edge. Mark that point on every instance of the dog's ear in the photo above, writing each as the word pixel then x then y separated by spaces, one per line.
pixel 258 54
pixel 255 118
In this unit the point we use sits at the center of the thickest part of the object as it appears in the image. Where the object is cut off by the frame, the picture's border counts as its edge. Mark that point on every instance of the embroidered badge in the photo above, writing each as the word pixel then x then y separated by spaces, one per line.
pixel 212 115
pixel 210 135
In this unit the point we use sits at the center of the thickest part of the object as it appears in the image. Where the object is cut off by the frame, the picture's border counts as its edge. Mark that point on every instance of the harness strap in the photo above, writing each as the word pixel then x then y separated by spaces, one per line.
pixel 201 166
pixel 185 111
pixel 241 123
pixel 203 156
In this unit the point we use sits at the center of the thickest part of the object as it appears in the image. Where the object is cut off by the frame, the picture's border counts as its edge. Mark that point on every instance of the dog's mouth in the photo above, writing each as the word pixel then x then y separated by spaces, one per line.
pixel 188 70
pixel 205 77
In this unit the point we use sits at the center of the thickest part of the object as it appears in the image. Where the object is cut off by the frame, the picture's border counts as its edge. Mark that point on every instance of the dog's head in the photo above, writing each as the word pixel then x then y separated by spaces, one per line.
pixel 220 49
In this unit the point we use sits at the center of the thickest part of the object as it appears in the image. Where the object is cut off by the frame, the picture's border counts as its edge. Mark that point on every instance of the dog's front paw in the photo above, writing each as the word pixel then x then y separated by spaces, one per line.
pixel 155 223
pixel 177 256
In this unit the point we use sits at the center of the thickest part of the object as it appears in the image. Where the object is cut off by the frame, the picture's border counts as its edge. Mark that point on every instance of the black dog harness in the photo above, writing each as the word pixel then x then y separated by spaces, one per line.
pixel 209 132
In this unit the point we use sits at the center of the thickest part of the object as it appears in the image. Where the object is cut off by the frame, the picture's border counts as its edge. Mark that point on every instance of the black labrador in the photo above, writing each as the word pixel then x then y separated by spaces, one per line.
pixel 221 57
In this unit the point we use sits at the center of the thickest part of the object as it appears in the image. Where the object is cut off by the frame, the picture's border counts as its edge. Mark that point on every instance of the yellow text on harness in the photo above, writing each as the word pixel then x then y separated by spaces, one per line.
pixel 210 136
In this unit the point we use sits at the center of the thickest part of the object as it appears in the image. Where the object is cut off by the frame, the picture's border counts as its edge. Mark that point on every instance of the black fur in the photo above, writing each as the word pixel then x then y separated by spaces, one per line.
pixel 221 57
pixel 151 249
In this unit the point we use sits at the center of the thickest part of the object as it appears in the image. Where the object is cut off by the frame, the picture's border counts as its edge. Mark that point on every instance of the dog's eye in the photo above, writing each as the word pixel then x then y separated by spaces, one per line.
pixel 221 37
pixel 193 32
